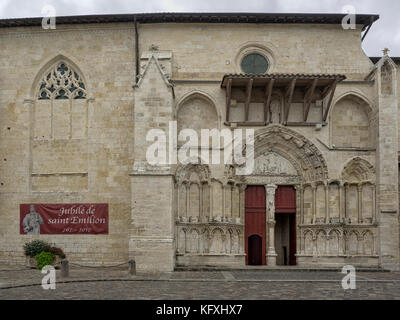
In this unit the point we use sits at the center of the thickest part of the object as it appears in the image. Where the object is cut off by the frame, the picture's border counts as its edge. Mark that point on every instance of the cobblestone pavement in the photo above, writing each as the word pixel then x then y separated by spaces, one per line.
pixel 116 283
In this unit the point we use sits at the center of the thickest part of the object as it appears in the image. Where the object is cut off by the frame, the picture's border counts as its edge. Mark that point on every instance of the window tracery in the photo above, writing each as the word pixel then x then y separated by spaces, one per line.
pixel 62 82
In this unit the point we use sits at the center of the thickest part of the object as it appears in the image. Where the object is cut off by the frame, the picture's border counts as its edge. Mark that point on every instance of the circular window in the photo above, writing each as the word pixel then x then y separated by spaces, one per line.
pixel 254 63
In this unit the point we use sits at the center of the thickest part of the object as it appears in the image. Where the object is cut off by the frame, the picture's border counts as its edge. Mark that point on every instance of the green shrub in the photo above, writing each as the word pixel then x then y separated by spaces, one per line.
pixel 35 247
pixel 44 259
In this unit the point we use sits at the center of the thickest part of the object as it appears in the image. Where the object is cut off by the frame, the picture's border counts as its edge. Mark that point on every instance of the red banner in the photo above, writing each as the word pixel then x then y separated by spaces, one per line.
pixel 91 218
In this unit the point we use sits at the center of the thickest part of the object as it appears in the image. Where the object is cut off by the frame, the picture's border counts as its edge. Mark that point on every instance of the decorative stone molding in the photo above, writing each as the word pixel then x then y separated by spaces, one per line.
pixel 216 239
pixel 357 170
pixel 339 240
pixel 302 154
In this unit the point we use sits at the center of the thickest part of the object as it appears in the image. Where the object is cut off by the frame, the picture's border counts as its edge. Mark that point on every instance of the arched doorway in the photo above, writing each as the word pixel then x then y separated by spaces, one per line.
pixel 255 250
pixel 283 159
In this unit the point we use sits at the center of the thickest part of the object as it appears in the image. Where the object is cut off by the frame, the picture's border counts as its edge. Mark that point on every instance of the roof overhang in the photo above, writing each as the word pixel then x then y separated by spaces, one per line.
pixel 288 18
pixel 281 79
pixel 312 87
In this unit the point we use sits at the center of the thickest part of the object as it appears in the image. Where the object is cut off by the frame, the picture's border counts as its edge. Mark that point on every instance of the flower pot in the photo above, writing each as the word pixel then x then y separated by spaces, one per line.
pixel 31 262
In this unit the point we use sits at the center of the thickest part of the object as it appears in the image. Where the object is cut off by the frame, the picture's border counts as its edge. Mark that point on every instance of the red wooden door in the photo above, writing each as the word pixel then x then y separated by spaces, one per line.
pixel 255 224
pixel 285 199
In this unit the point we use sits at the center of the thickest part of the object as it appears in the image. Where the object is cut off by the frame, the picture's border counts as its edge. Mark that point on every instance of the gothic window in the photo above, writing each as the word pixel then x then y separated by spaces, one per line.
pixel 62 82
pixel 61 107
pixel 60 129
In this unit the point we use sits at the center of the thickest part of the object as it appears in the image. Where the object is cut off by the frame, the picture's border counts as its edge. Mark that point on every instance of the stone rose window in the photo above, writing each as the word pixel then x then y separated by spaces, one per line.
pixel 254 63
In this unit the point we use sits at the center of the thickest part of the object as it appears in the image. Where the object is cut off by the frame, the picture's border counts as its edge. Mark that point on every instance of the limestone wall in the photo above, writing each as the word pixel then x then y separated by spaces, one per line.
pixel 93 149
pixel 78 153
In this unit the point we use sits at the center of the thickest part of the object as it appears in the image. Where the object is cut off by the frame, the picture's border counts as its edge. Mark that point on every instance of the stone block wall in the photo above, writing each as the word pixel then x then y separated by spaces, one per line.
pixel 94 149
pixel 80 153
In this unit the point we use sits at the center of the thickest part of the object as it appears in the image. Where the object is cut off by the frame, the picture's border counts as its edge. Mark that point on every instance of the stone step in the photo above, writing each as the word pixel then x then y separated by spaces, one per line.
pixel 272 269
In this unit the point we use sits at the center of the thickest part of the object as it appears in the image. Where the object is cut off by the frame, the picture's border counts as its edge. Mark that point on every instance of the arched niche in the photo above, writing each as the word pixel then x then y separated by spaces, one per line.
pixel 358 170
pixel 352 122
pixel 358 176
pixel 197 110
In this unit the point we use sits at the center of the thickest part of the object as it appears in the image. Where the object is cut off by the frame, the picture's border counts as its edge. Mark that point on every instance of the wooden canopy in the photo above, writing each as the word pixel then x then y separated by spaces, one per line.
pixel 313 86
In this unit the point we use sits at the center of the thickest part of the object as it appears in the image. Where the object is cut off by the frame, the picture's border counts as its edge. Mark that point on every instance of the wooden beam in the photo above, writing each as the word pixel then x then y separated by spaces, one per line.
pixel 326 91
pixel 288 99
pixel 248 95
pixel 267 102
pixel 332 91
pixel 228 98
pixel 305 124
pixel 246 124
pixel 307 99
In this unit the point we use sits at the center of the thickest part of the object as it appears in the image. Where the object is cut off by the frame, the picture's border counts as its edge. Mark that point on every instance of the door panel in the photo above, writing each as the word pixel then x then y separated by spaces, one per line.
pixel 285 199
pixel 255 224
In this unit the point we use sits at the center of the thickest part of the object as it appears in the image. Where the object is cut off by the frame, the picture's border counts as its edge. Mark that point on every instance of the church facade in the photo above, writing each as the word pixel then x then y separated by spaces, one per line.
pixel 77 104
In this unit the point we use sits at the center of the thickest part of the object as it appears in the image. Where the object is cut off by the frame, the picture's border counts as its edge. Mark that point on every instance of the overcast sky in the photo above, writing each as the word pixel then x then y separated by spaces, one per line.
pixel 384 33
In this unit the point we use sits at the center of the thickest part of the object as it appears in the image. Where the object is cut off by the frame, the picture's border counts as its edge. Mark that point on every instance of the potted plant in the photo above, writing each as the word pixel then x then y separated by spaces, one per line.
pixel 38 252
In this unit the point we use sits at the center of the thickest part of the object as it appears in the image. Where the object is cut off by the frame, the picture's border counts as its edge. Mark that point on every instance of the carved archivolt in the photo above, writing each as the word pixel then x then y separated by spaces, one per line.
pixel 305 158
pixel 183 173
pixel 358 170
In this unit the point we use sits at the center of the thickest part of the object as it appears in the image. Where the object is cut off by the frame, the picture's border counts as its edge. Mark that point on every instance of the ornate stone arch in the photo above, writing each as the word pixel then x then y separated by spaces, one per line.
pixel 52 65
pixel 298 150
pixel 183 172
pixel 358 170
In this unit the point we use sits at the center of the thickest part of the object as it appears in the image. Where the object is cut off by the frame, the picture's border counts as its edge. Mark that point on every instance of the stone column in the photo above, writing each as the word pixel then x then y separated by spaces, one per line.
pixel 211 202
pixel 302 190
pixel 187 215
pixel 223 203
pixel 359 190
pixel 270 216
pixel 346 194
pixel 373 204
pixel 299 215
pixel 326 185
pixel 314 202
pixel 201 207
pixel 341 202
pixel 242 190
